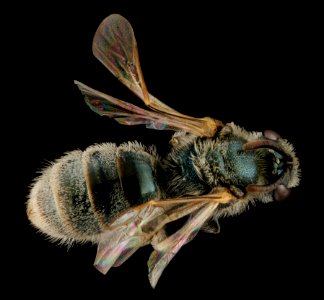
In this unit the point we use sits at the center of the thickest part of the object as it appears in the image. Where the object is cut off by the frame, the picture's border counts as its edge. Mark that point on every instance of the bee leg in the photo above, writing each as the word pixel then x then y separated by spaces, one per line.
pixel 236 191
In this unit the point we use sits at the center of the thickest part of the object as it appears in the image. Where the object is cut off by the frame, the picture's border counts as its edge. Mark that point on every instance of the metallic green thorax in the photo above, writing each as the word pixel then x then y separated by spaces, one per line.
pixel 197 165
pixel 231 165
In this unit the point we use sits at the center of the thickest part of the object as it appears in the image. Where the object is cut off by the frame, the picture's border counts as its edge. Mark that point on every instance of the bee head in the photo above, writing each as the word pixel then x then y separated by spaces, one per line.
pixel 281 164
pixel 277 162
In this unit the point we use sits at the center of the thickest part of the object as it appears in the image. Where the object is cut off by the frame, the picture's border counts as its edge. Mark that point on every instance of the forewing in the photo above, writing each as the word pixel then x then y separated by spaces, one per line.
pixel 137 226
pixel 150 215
pixel 117 246
pixel 114 44
pixel 124 237
pixel 128 114
pixel 123 112
pixel 167 249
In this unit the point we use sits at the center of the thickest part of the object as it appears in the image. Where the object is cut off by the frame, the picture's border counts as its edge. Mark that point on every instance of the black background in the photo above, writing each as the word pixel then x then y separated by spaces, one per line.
pixel 248 64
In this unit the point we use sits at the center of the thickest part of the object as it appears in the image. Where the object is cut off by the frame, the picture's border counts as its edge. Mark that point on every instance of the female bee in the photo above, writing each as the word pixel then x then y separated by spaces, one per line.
pixel 122 197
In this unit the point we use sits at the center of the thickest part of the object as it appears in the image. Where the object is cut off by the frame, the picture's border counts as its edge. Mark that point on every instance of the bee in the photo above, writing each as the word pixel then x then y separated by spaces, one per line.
pixel 123 197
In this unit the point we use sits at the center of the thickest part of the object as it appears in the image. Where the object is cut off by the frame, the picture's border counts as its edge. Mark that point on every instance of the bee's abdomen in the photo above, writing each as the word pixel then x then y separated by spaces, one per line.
pixel 76 197
pixel 44 214
pixel 103 184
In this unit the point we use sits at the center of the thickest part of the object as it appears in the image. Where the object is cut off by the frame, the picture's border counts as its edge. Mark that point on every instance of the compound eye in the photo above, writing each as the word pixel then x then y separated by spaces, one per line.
pixel 281 193
pixel 272 135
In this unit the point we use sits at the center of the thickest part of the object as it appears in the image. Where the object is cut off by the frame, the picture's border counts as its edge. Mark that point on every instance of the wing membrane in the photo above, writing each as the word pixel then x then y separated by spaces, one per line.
pixel 137 226
pixel 114 45
pixel 167 249
pixel 124 237
pixel 128 114
pixel 117 246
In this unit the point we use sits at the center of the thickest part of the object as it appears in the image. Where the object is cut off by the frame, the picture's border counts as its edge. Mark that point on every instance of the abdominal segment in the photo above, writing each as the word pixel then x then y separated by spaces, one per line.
pixel 77 197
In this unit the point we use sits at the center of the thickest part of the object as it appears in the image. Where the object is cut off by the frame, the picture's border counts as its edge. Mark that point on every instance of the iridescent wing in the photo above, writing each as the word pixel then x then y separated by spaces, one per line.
pixel 167 249
pixel 124 236
pixel 137 226
pixel 114 44
pixel 128 114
